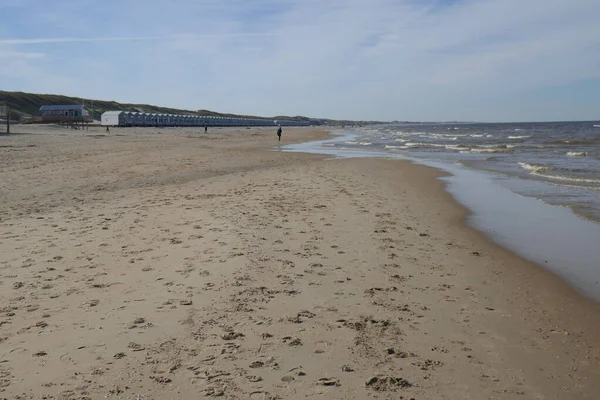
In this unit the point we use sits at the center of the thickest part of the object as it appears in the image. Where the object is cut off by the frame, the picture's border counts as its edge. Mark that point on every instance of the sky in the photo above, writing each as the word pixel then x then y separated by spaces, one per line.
pixel 414 60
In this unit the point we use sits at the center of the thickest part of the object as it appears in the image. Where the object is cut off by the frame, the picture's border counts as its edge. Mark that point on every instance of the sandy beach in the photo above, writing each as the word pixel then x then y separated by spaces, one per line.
pixel 173 264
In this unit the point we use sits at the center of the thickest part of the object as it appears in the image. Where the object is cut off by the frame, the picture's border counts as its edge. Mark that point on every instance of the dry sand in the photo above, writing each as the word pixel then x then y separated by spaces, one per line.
pixel 173 264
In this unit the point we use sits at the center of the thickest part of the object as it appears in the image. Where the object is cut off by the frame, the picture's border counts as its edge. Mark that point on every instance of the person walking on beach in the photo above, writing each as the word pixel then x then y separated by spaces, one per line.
pixel 205 128
pixel 107 130
pixel 279 133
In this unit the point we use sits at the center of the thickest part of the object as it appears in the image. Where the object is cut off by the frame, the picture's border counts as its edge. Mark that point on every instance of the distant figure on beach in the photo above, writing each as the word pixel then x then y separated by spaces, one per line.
pixel 205 128
pixel 279 133
pixel 107 130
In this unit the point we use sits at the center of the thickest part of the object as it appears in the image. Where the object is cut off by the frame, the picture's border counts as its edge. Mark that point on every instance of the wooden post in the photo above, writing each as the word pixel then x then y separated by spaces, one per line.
pixel 7 120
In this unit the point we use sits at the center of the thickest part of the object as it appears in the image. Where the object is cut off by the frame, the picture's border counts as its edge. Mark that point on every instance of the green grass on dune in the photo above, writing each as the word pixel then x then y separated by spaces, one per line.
pixel 28 104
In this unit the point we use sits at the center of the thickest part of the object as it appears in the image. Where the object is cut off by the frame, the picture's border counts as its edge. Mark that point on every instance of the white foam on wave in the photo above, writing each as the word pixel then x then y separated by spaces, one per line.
pixel 596 126
pixel 577 153
pixel 565 178
pixel 389 146
pixel 538 170
pixel 477 135
pixel 365 143
pixel 488 150
pixel 519 137
pixel 533 167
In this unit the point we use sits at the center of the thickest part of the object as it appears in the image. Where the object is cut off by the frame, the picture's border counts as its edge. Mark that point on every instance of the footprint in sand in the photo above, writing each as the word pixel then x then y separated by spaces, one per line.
pixel 328 382
pixel 292 341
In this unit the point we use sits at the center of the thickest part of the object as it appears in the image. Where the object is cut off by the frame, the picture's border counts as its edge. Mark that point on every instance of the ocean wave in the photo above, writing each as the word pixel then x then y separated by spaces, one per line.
pixel 538 170
pixel 389 146
pixel 519 137
pixel 416 145
pixel 488 150
pixel 477 135
pixel 596 126
pixel 533 167
pixel 566 178
pixel 577 153
pixel 593 140
pixel 453 146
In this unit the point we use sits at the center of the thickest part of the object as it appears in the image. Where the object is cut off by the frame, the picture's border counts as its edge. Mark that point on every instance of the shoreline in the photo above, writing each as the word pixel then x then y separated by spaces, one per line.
pixel 182 264
pixel 553 237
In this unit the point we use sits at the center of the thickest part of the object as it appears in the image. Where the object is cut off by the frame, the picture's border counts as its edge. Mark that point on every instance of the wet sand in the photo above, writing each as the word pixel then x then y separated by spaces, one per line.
pixel 173 264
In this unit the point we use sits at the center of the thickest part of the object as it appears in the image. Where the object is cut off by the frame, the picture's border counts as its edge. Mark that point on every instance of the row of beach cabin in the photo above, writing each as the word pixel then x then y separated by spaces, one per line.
pixel 127 118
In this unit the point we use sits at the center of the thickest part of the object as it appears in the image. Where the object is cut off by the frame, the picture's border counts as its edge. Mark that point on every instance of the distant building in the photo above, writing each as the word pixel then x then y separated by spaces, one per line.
pixel 66 113
pixel 127 118
pixel 116 118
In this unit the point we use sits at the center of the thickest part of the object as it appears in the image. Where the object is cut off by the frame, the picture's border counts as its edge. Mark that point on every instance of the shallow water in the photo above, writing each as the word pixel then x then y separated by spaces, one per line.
pixel 558 163
pixel 552 236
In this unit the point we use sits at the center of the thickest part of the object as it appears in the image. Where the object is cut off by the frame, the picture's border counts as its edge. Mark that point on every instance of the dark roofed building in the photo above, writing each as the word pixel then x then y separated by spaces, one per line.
pixel 65 113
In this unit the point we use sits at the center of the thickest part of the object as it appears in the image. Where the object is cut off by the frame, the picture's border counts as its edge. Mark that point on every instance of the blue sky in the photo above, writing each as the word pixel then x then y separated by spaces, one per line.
pixel 484 60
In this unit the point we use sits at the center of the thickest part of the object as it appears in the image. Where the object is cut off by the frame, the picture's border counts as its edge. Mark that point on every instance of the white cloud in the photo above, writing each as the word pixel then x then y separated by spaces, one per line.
pixel 123 39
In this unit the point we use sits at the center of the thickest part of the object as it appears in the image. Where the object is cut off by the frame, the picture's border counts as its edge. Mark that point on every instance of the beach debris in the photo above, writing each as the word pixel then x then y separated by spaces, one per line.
pixel 347 368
